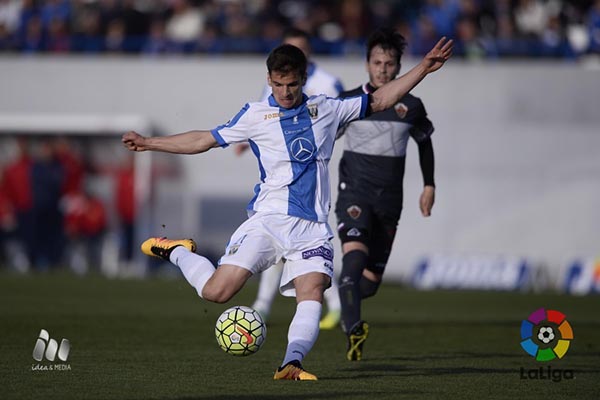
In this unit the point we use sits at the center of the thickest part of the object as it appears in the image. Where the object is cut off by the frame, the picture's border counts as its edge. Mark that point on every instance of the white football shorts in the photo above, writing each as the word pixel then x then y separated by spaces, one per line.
pixel 264 239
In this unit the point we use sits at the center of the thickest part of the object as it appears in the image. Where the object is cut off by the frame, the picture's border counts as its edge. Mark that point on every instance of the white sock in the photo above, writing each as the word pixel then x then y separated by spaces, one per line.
pixel 196 269
pixel 267 289
pixel 332 297
pixel 303 330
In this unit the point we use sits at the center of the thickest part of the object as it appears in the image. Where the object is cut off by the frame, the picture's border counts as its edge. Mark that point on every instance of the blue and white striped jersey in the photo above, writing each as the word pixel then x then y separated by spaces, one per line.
pixel 293 148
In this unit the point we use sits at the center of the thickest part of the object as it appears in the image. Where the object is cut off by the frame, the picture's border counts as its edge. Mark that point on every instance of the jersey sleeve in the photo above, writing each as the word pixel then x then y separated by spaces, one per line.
pixel 235 130
pixel 351 108
pixel 422 127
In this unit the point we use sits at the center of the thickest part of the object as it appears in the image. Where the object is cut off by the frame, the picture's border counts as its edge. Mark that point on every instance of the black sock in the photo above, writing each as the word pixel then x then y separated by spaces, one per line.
pixel 353 264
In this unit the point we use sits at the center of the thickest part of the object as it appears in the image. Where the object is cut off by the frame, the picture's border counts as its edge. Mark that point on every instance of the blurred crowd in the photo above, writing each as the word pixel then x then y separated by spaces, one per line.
pixel 481 28
pixel 50 213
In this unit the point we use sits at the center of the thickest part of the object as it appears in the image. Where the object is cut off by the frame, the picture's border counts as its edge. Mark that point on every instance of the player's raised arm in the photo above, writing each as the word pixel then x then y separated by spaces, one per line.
pixel 390 93
pixel 192 142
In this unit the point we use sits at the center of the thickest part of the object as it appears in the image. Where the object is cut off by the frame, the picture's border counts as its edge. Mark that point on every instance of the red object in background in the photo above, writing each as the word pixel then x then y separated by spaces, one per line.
pixel 125 200
pixel 74 170
pixel 84 215
pixel 17 183
pixel 7 213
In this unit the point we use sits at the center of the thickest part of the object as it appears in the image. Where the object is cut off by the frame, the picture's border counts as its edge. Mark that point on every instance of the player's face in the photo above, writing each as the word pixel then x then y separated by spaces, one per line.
pixel 382 66
pixel 287 88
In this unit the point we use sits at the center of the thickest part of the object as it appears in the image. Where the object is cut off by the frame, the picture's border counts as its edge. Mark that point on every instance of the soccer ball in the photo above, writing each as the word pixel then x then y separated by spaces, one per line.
pixel 240 331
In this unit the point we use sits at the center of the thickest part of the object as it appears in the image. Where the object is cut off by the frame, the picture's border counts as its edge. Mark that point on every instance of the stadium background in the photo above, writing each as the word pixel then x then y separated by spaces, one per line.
pixel 516 146
pixel 515 112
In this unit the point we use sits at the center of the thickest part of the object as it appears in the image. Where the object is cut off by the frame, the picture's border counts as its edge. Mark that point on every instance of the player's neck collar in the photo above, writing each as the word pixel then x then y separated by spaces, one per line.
pixel 368 88
pixel 274 103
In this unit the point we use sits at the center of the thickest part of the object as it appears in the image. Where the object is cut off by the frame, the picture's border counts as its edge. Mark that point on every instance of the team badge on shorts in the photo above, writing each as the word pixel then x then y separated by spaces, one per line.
pixel 354 211
pixel 313 111
pixel 401 110
pixel 233 249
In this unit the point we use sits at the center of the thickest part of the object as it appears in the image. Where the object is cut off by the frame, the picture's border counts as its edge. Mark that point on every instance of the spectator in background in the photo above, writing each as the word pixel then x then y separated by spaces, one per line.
pixel 59 37
pixel 185 24
pixel 47 180
pixel 88 36
pixel 593 24
pixel 33 40
pixel 85 226
pixel 55 9
pixel 10 11
pixel 17 186
pixel 115 40
pixel 8 224
pixel 72 165
pixel 157 42
pixel 125 205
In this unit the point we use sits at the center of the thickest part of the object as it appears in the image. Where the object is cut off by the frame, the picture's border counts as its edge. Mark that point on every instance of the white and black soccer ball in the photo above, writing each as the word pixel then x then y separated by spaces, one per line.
pixel 240 331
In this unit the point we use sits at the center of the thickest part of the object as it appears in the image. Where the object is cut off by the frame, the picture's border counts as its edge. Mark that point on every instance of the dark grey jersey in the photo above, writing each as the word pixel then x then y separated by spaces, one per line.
pixel 375 147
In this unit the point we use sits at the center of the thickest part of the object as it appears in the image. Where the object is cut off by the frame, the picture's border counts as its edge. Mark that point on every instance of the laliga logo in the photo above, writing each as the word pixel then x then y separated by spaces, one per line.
pixel 302 149
pixel 546 334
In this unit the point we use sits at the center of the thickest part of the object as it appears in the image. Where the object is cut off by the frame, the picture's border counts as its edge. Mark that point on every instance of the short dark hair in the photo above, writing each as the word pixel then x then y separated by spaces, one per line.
pixel 387 39
pixel 287 58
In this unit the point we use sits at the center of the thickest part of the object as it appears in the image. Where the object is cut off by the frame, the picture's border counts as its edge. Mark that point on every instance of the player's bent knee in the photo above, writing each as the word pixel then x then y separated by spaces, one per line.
pixel 368 287
pixel 353 264
pixel 217 295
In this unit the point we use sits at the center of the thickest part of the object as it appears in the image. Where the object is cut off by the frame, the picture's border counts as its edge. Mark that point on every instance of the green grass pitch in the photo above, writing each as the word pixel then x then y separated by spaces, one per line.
pixel 154 339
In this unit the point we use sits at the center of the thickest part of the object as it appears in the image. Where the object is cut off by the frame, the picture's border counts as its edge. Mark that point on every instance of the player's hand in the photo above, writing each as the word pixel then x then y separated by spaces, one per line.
pixel 240 148
pixel 437 56
pixel 134 141
pixel 426 200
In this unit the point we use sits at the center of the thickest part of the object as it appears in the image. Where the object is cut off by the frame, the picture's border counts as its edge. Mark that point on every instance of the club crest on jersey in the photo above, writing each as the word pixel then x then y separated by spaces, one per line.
pixel 313 111
pixel 354 211
pixel 401 110
pixel 302 149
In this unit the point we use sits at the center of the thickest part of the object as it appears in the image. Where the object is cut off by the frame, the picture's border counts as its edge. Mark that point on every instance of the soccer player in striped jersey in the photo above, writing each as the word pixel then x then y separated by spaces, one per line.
pixel 318 82
pixel 292 136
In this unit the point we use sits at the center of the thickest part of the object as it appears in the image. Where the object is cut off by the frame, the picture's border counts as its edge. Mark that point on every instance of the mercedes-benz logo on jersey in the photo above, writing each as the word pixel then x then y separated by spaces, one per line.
pixel 302 149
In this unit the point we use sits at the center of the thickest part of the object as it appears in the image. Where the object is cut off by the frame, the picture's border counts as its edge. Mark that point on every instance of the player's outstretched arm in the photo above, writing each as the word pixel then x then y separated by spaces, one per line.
pixel 192 142
pixel 390 93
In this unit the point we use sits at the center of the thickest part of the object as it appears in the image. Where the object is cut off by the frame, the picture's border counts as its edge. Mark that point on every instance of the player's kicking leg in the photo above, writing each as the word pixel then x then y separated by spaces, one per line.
pixel 217 286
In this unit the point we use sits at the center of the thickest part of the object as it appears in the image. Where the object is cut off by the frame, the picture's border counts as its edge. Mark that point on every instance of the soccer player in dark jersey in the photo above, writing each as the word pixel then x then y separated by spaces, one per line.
pixel 371 172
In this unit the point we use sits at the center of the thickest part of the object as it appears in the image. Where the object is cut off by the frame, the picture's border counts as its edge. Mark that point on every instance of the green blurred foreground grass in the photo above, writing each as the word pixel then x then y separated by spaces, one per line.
pixel 153 339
